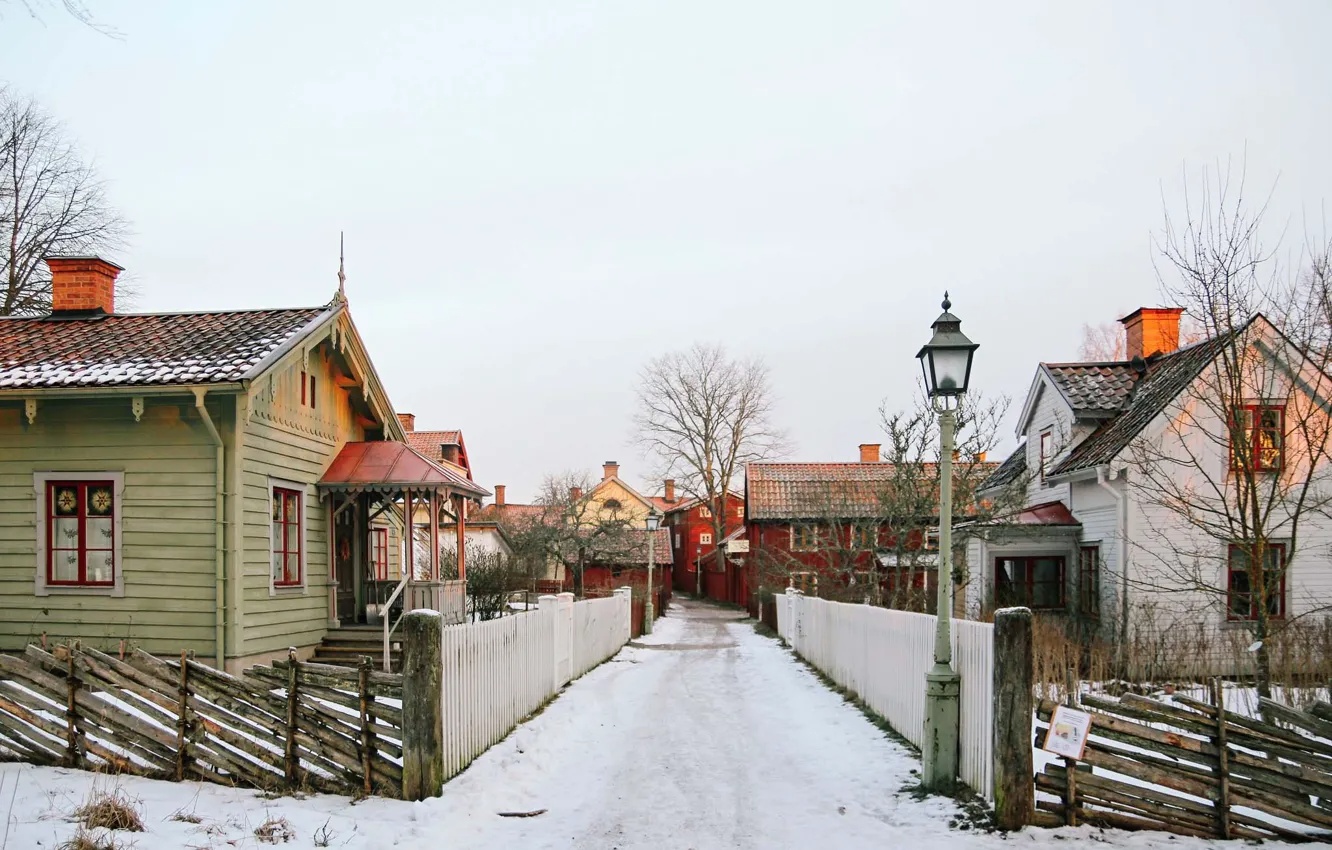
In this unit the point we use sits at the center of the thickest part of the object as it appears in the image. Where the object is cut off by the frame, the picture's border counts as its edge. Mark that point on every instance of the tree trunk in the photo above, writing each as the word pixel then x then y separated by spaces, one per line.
pixel 578 576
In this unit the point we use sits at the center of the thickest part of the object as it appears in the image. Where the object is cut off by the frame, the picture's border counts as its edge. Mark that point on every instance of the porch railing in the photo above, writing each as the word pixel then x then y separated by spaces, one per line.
pixel 449 598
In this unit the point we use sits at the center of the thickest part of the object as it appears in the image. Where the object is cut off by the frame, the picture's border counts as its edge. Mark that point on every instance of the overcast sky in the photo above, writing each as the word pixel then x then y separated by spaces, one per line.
pixel 536 201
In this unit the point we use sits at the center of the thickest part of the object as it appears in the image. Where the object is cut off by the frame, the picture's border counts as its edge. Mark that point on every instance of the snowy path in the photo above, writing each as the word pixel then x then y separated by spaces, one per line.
pixel 704 735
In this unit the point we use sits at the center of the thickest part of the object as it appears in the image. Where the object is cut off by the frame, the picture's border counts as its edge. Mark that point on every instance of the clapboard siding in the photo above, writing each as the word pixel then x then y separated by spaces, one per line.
pixel 291 442
pixel 167 531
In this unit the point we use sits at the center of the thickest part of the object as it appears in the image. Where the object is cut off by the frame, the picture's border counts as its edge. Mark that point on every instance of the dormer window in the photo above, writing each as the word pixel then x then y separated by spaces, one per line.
pixel 612 504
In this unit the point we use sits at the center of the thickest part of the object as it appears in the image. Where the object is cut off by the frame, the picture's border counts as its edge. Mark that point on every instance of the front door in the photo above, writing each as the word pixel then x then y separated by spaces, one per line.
pixel 344 564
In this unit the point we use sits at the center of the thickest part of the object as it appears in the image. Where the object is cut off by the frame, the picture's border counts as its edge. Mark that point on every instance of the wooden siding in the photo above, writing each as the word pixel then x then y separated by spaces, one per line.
pixel 167 515
pixel 289 441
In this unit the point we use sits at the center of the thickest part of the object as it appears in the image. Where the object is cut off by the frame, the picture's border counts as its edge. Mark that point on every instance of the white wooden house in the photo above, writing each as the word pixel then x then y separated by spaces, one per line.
pixel 1095 538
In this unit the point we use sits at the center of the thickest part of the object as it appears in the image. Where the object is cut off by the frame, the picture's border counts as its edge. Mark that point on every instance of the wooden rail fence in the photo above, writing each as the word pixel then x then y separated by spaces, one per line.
pixel 291 725
pixel 1193 768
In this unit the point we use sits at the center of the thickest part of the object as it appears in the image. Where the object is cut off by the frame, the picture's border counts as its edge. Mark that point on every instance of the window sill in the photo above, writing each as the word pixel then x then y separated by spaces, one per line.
pixel 80 590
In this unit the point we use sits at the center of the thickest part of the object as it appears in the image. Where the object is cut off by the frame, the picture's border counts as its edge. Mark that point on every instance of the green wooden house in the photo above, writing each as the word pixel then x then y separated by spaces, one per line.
pixel 163 476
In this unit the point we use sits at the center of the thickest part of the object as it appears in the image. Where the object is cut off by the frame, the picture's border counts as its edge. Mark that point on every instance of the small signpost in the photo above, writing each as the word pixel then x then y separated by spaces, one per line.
pixel 1067 735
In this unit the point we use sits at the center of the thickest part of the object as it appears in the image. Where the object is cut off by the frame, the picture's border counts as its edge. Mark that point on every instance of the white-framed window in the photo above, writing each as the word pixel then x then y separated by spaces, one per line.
pixel 705 539
pixel 705 512
pixel 79 532
pixel 287 541
pixel 1047 452
pixel 804 537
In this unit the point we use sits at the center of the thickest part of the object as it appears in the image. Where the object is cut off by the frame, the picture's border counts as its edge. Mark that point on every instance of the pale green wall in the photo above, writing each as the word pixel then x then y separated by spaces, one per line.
pixel 167 532
pixel 288 441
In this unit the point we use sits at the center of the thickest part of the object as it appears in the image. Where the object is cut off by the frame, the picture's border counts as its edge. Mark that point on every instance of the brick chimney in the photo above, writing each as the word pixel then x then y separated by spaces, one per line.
pixel 670 489
pixel 610 469
pixel 499 495
pixel 82 284
pixel 1149 330
pixel 408 421
pixel 575 493
pixel 870 452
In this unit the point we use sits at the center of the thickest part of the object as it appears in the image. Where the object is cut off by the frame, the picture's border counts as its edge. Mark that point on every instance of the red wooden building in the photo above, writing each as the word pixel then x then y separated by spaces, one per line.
pixel 691 524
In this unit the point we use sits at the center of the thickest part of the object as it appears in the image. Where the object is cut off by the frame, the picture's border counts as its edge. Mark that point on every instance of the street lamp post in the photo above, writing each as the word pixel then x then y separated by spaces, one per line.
pixel 946 362
pixel 653 523
pixel 698 572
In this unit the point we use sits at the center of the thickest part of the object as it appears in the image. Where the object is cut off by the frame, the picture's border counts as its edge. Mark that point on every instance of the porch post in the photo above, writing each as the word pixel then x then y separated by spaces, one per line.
pixel 410 536
pixel 460 511
pixel 434 536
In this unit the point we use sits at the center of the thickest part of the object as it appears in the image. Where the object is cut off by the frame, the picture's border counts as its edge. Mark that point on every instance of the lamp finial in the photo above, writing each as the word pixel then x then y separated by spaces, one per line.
pixel 947 305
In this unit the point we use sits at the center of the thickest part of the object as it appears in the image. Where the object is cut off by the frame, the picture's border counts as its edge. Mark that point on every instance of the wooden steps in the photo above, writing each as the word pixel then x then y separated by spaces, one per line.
pixel 346 646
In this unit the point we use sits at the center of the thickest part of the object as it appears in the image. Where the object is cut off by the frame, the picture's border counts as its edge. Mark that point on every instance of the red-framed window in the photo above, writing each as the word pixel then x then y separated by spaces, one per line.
pixel 1258 437
pixel 1036 582
pixel 379 552
pixel 287 537
pixel 1244 597
pixel 1089 581
pixel 81 534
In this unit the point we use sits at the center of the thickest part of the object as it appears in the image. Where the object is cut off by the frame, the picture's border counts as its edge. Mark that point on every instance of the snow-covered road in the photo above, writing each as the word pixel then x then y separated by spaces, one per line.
pixel 704 735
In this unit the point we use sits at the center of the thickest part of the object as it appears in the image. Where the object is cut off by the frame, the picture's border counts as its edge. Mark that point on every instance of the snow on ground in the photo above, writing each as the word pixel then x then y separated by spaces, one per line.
pixel 702 735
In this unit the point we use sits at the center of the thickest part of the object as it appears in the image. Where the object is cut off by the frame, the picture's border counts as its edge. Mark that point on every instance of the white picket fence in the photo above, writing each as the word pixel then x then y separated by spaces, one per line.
pixel 883 655
pixel 497 672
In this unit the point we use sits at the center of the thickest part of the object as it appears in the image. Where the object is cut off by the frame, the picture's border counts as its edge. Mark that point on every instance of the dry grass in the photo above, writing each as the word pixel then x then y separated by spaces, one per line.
pixel 275 831
pixel 110 810
pixel 85 840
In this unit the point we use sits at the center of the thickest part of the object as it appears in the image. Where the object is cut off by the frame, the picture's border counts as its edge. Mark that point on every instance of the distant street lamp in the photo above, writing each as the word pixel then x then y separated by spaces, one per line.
pixel 698 572
pixel 946 362
pixel 653 523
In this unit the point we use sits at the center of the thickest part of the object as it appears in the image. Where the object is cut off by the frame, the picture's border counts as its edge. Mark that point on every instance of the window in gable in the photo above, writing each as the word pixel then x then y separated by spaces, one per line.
pixel 1047 452
pixel 705 512
pixel 612 504
pixel 1257 438
pixel 705 539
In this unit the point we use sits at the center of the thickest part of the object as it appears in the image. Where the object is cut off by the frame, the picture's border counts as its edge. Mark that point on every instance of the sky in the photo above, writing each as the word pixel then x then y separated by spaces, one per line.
pixel 539 197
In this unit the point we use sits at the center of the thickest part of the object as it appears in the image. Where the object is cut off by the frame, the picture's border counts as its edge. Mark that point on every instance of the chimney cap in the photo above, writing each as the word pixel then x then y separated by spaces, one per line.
pixel 86 258
pixel 1147 311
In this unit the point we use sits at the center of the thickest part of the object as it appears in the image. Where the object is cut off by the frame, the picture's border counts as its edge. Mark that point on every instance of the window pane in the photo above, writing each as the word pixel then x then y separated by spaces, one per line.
pixel 277 567
pixel 291 504
pixel 100 567
pixel 65 533
pixel 64 565
pixel 100 501
pixel 277 537
pixel 293 567
pixel 1240 600
pixel 65 501
pixel 98 533
pixel 294 537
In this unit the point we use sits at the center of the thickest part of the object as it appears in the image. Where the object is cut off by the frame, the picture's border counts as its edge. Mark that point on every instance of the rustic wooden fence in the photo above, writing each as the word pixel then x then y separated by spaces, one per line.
pixel 1193 768
pixel 288 726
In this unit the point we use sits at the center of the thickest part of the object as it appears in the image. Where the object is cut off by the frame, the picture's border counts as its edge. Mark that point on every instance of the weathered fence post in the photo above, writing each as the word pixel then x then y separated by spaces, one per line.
pixel 367 734
pixel 183 724
pixel 1223 761
pixel 1071 688
pixel 291 756
pixel 1014 771
pixel 422 705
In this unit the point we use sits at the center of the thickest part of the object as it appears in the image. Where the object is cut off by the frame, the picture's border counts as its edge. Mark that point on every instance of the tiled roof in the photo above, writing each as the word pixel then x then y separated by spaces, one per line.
pixel 1012 469
pixel 507 512
pixel 636 547
pixel 847 490
pixel 145 349
pixel 428 442
pixel 1093 388
pixel 1166 378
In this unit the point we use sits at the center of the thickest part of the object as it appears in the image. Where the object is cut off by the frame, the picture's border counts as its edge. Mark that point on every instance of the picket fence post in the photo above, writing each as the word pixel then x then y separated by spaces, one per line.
pixel 422 705
pixel 626 597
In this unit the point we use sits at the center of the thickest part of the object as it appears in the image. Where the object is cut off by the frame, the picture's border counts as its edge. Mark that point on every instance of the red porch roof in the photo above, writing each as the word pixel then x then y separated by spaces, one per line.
pixel 1050 513
pixel 386 465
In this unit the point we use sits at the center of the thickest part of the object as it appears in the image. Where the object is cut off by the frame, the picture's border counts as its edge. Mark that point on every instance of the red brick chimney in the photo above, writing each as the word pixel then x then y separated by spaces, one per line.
pixel 1151 330
pixel 670 489
pixel 408 421
pixel 870 452
pixel 499 495
pixel 575 493
pixel 82 284
pixel 610 469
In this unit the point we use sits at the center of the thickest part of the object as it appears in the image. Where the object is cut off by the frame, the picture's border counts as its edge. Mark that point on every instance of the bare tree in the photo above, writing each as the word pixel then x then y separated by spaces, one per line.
pixel 76 9
pixel 1240 469
pixel 573 529
pixel 703 415
pixel 51 203
pixel 1103 343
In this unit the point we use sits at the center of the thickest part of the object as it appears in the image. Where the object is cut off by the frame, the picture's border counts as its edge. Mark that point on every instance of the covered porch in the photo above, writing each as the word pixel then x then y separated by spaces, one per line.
pixel 1029 559
pixel 379 491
